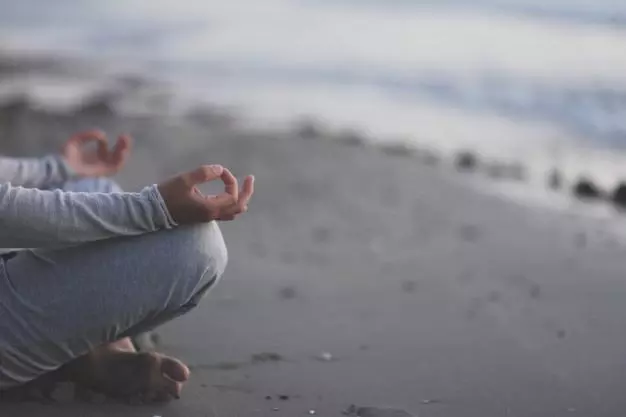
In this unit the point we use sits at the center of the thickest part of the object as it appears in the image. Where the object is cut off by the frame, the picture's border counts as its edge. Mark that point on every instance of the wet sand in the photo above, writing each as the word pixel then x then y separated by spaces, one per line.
pixel 360 277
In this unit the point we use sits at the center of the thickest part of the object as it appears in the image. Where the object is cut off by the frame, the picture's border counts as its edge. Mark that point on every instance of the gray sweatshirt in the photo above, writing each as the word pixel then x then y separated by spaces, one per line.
pixel 34 218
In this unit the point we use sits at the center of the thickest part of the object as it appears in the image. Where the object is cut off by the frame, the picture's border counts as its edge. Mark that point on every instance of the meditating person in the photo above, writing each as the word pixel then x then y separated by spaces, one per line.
pixel 85 267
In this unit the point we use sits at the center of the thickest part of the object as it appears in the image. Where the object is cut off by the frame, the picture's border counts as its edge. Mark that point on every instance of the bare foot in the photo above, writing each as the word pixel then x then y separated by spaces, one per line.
pixel 117 370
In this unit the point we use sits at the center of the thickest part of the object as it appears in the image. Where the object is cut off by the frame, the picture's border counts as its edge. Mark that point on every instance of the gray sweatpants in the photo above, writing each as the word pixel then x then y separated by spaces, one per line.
pixel 56 305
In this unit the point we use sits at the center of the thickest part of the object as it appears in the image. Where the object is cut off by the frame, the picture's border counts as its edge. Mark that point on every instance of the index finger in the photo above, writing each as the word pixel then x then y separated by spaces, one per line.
pixel 231 186
pixel 246 194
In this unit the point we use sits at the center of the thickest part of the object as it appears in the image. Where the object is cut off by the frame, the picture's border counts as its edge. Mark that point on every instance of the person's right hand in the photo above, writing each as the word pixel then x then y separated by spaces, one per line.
pixel 188 205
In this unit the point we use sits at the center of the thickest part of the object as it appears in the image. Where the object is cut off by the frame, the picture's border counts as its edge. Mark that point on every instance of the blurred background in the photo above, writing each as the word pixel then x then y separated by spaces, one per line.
pixel 372 267
pixel 530 80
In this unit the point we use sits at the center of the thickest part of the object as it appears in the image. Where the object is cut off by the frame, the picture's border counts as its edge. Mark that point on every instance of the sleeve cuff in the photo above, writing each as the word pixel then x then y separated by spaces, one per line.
pixel 154 190
pixel 65 172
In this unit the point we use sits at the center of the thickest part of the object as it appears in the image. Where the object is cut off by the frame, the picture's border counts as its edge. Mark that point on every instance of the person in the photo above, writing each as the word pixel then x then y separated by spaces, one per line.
pixel 85 267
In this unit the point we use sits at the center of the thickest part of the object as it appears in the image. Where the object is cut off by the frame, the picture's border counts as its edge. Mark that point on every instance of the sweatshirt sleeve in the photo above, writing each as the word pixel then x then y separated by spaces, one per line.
pixel 32 218
pixel 34 172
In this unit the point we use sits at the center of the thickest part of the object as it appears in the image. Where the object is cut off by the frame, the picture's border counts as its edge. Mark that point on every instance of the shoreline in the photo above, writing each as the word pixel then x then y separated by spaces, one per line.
pixel 128 95
pixel 103 97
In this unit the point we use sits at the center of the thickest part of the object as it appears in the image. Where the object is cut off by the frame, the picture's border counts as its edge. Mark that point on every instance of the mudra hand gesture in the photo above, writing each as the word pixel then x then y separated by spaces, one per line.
pixel 182 197
pixel 98 162
pixel 188 205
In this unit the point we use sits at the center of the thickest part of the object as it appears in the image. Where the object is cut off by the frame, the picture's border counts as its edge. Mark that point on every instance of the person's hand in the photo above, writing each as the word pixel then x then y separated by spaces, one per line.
pixel 188 205
pixel 98 162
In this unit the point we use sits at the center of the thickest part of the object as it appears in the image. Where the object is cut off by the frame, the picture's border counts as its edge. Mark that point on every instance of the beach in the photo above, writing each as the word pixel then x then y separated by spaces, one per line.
pixel 362 278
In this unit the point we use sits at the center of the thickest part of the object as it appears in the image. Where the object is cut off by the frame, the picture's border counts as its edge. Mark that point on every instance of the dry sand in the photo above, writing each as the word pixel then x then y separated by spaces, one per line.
pixel 425 295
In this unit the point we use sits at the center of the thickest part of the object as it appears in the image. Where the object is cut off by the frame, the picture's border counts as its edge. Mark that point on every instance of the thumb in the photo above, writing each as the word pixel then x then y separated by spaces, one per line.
pixel 121 150
pixel 202 174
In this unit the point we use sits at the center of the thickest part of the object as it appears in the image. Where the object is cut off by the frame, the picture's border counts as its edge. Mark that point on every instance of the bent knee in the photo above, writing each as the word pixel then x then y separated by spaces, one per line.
pixel 183 262
pixel 204 251
pixel 213 248
pixel 204 247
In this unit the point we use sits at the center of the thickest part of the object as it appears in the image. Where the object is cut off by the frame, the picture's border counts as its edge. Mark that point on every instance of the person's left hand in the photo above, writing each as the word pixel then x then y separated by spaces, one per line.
pixel 96 162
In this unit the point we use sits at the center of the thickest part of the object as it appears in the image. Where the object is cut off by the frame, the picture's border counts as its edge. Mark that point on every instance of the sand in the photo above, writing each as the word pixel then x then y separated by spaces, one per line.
pixel 372 279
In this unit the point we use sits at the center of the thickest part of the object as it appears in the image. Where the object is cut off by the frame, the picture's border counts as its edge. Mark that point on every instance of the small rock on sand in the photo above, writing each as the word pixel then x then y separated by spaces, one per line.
pixel 619 196
pixel 353 410
pixel 308 129
pixel 466 161
pixel 586 189
pixel 288 293
pixel 266 357
pixel 431 401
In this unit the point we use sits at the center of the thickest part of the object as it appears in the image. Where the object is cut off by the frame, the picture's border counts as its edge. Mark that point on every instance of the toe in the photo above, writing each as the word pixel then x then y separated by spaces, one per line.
pixel 174 369
pixel 149 376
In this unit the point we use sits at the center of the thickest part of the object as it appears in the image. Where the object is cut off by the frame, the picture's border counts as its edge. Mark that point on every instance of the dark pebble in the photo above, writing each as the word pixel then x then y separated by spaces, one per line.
pixel 287 293
pixel 466 161
pixel 267 357
pixel 353 410
pixel 619 196
pixel 308 129
pixel 586 189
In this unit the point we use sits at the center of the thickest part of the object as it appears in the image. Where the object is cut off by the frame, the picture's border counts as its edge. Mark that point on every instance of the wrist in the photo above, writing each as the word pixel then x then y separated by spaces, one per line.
pixel 65 169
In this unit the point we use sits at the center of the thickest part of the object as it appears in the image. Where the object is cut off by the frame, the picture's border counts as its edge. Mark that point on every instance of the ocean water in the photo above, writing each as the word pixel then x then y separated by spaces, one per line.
pixel 539 82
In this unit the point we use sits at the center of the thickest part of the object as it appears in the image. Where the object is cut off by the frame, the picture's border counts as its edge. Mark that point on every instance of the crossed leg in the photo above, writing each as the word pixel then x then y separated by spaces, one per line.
pixel 71 313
